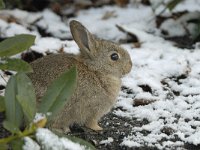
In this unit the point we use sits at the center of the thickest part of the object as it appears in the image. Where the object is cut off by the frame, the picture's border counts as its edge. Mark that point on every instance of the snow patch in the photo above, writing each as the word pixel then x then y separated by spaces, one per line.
pixel 48 140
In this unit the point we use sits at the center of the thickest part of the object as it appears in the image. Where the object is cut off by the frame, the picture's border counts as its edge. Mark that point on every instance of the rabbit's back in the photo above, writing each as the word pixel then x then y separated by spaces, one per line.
pixel 47 69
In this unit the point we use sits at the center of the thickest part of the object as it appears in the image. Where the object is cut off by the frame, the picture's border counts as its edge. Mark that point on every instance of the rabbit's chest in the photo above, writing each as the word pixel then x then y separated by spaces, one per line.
pixel 98 86
pixel 112 85
pixel 109 86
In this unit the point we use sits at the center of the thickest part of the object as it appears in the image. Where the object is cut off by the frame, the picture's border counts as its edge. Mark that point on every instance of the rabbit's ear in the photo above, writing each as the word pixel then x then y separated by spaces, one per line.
pixel 83 38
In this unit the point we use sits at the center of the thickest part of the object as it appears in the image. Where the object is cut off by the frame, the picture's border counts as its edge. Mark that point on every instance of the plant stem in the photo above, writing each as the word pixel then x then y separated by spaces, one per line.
pixel 26 132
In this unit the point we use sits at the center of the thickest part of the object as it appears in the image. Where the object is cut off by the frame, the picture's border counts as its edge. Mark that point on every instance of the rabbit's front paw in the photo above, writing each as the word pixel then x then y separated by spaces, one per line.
pixel 93 124
pixel 67 130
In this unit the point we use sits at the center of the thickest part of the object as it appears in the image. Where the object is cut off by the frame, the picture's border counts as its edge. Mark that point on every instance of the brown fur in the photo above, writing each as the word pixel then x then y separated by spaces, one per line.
pixel 98 81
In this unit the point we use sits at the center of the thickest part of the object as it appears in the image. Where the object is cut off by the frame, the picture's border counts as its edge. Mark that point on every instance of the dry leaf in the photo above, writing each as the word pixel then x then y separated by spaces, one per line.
pixel 142 102
pixel 108 15
pixel 122 3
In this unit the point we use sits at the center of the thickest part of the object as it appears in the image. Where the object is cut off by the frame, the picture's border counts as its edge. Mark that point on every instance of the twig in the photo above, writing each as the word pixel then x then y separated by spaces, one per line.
pixel 3 78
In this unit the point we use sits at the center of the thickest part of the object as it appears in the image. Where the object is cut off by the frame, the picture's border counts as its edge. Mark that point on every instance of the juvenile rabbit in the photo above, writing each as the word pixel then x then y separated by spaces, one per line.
pixel 100 66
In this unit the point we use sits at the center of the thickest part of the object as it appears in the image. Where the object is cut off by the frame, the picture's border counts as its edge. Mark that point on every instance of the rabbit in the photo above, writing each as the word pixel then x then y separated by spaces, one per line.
pixel 100 66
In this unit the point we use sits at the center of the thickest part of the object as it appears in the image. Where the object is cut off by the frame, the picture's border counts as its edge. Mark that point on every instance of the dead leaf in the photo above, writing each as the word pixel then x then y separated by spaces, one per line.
pixel 142 102
pixel 121 3
pixel 131 37
pixel 108 15
pixel 8 18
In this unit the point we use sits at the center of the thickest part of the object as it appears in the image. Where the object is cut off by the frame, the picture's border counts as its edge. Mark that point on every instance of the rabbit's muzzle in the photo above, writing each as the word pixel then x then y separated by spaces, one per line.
pixel 127 68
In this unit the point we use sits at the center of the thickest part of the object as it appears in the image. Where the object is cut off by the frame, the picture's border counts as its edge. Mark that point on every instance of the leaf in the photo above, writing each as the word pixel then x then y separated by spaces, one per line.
pixel 40 123
pixel 26 96
pixel 15 65
pixel 2 104
pixel 81 142
pixel 2 5
pixel 196 37
pixel 76 140
pixel 16 44
pixel 3 146
pixel 58 92
pixel 14 114
pixel 172 4
pixel 11 127
pixel 20 100
pixel 17 144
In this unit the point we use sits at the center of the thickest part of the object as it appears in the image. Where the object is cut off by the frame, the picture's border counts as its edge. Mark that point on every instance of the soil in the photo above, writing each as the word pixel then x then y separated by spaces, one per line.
pixel 115 127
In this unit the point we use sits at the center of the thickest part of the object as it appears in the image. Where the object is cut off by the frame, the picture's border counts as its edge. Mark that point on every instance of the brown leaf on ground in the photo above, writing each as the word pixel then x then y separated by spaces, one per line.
pixel 142 102
pixel 56 7
pixel 146 88
pixel 121 3
pixel 131 37
pixel 108 15
pixel 8 18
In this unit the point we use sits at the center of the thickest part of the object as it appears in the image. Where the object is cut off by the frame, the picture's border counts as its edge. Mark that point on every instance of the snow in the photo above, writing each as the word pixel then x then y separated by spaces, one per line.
pixel 192 5
pixel 47 140
pixel 106 28
pixel 181 26
pixel 53 24
pixel 160 5
pixel 157 63
pixel 38 117
pixel 12 29
pixel 29 144
pixel 51 141
pixel 53 45
pixel 48 44
pixel 108 141
pixel 22 16
pixel 173 28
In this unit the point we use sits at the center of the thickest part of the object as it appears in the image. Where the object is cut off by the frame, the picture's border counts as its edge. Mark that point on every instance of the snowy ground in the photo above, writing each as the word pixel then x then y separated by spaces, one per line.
pixel 166 77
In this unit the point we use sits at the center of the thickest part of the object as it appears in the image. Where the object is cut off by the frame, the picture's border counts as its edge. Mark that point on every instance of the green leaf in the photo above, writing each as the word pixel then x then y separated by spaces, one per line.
pixel 16 44
pixel 3 146
pixel 14 114
pixel 172 4
pixel 20 99
pixel 196 37
pixel 58 92
pixel 11 127
pixel 2 5
pixel 15 65
pixel 87 145
pixel 17 144
pixel 2 104
pixel 26 96
pixel 76 140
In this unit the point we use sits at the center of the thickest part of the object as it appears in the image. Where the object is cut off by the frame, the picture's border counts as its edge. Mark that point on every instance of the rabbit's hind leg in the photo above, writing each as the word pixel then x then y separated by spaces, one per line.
pixel 93 124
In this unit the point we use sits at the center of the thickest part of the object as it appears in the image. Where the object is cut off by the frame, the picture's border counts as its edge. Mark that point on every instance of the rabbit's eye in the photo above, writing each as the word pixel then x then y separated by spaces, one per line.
pixel 114 56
